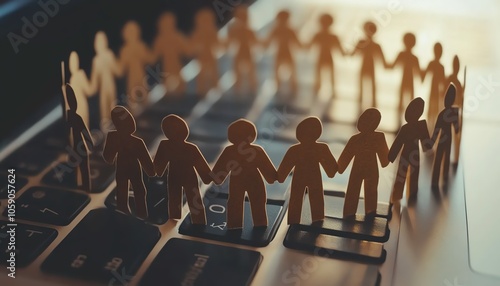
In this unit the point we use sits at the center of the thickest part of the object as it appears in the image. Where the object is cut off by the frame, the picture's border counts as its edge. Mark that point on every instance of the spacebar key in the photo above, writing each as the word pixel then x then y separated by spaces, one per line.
pixel 106 247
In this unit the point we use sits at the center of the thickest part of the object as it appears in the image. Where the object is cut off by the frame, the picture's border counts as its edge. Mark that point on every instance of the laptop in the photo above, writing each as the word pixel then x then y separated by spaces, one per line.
pixel 66 236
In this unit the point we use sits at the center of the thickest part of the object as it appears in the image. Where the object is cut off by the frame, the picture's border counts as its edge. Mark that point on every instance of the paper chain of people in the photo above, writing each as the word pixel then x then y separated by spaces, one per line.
pixel 245 163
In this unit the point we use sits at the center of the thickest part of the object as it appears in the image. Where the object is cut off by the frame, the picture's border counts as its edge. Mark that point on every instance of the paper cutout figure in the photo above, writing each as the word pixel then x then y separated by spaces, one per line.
pixel 81 85
pixel 437 84
pixel 105 68
pixel 327 42
pixel 370 51
pixel 285 38
pixel 410 65
pixel 170 46
pixel 305 159
pixel 364 147
pixel 130 156
pixel 447 118
pixel 134 56
pixel 459 102
pixel 241 34
pixel 182 159
pixel 408 138
pixel 245 163
pixel 80 139
pixel 205 42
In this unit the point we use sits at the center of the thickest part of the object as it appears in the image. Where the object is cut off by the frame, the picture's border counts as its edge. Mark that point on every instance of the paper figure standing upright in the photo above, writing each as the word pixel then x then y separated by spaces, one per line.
pixel 408 138
pixel 182 160
pixel 81 86
pixel 205 42
pixel 80 139
pixel 364 147
pixel 437 84
pixel 327 42
pixel 459 102
pixel 411 67
pixel 170 46
pixel 370 51
pixel 134 56
pixel 447 118
pixel 130 156
pixel 105 69
pixel 286 39
pixel 245 163
pixel 305 159
pixel 241 34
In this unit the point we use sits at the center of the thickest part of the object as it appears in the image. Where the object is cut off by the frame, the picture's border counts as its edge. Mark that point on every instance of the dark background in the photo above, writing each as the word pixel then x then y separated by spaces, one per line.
pixel 30 81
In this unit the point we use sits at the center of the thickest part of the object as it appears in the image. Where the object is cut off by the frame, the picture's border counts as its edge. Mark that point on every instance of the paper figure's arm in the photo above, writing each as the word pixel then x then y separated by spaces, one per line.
pixel 416 68
pixel 145 158
pixel 380 54
pixel 311 43
pixel 86 133
pixel 424 137
pixel 327 161
pixel 267 41
pixel 161 159
pixel 117 67
pixel 110 147
pixel 423 73
pixel 382 150
pixel 396 61
pixel 456 123
pixel 295 39
pixel 286 165
pixel 337 43
pixel 186 48
pixel 266 167
pixel 397 145
pixel 202 166
pixel 346 156
pixel 221 168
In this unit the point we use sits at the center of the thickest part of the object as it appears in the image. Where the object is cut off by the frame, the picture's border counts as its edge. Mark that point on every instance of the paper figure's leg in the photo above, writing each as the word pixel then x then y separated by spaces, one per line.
pixel 374 91
pixel 141 209
pixel 436 168
pixel 295 203
pixel 174 201
pixel 235 207
pixel 446 162
pixel 85 171
pixel 252 77
pixel 458 138
pixel 352 195
pixel 257 198
pixel 413 185
pixel 371 195
pixel 399 183
pixel 317 201
pixel 122 187
pixel 195 203
pixel 293 77
pixel 277 75
pixel 317 77
pixel 360 98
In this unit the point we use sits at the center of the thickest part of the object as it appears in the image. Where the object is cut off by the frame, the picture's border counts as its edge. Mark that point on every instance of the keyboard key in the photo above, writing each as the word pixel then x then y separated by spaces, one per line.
pixel 30 242
pixel 216 224
pixel 335 246
pixel 64 176
pixel 184 262
pixel 51 206
pixel 20 183
pixel 29 161
pixel 106 246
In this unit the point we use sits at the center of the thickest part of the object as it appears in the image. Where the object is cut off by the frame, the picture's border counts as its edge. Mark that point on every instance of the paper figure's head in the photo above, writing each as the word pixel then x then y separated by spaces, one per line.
pixel 326 20
pixel 369 28
pixel 131 32
pixel 123 120
pixel 409 40
pixel 100 42
pixel 205 19
pixel 414 110
pixel 241 131
pixel 283 17
pixel 71 98
pixel 241 14
pixel 74 62
pixel 456 64
pixel 166 22
pixel 449 98
pixel 175 128
pixel 309 130
pixel 438 50
pixel 369 120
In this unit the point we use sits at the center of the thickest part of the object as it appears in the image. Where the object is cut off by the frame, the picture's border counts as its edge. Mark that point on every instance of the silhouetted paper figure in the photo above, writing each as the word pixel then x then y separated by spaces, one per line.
pixel 105 69
pixel 447 118
pixel 285 38
pixel 134 56
pixel 305 159
pixel 459 102
pixel 170 46
pixel 246 164
pixel 80 138
pixel 364 147
pixel 205 42
pixel 182 159
pixel 327 42
pixel 241 34
pixel 129 154
pixel 408 138
pixel 370 51
pixel 81 85
pixel 437 84
pixel 411 67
